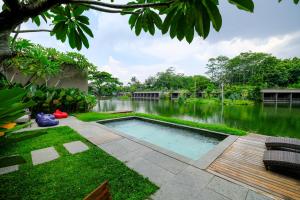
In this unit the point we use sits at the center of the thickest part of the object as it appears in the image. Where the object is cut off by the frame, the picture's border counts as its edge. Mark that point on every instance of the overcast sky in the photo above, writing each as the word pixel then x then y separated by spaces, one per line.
pixel 273 28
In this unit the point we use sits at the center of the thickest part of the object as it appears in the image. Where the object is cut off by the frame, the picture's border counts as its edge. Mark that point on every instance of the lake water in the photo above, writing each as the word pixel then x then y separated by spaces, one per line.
pixel 266 119
pixel 187 143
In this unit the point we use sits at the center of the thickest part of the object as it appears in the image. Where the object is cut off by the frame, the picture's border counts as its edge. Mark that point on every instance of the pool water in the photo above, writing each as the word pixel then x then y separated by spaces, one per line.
pixel 188 143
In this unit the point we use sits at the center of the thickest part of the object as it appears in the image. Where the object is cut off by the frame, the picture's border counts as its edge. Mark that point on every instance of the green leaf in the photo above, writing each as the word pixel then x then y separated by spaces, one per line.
pixel 37 20
pixel 156 19
pixel 83 19
pixel 86 29
pixel 72 36
pixel 181 26
pixel 246 5
pixel 83 38
pixel 151 26
pixel 132 20
pixel 78 10
pixel 167 22
pixel 138 25
pixel 214 14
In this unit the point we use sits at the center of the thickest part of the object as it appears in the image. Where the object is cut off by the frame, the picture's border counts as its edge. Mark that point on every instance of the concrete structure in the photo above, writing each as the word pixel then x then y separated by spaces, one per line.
pixel 146 95
pixel 291 96
pixel 69 77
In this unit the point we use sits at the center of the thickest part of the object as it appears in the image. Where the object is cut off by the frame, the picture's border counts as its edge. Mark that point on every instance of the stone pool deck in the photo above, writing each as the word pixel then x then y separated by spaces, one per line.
pixel 178 180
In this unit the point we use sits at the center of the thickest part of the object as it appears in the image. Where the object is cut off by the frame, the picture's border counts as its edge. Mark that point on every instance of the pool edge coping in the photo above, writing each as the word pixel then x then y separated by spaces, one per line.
pixel 202 163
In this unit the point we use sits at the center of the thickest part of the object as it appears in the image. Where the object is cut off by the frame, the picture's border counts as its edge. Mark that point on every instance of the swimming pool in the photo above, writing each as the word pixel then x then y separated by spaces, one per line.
pixel 188 142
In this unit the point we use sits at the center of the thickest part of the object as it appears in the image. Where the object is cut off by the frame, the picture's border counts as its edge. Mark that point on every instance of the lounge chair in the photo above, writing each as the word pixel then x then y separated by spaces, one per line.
pixel 283 143
pixel 282 161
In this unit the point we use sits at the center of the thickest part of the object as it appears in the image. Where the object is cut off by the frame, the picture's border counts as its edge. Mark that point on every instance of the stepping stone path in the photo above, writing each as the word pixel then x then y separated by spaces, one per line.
pixel 76 147
pixel 6 170
pixel 43 155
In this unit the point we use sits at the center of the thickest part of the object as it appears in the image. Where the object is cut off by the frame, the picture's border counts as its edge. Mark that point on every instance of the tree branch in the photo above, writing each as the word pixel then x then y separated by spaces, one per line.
pixel 122 6
pixel 109 10
pixel 31 31
pixel 15 38
pixel 12 4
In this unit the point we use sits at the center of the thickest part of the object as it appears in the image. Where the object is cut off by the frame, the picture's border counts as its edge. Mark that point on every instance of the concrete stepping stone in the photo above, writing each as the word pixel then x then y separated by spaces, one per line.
pixel 43 155
pixel 9 169
pixel 76 147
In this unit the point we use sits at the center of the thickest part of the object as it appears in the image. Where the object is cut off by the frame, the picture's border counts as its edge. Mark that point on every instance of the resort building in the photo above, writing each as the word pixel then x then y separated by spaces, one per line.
pixel 291 96
pixel 146 95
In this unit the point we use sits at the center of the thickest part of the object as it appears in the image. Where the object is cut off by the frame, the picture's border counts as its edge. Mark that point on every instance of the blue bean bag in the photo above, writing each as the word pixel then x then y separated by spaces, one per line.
pixel 44 120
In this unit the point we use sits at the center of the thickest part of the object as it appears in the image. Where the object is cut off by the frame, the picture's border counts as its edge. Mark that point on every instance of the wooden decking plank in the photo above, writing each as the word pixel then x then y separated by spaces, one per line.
pixel 263 187
pixel 242 162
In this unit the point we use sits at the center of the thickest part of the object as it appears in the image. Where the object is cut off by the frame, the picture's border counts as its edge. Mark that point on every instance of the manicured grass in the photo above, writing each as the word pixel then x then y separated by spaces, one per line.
pixel 69 176
pixel 93 116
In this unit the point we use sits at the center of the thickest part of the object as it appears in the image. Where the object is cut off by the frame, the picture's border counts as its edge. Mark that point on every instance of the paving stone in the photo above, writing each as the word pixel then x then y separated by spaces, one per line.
pixel 193 177
pixel 186 185
pixel 165 162
pixel 9 169
pixel 43 155
pixel 256 196
pixel 76 147
pixel 207 194
pixel 130 156
pixel 174 191
pixel 104 138
pixel 228 189
pixel 119 148
pixel 155 173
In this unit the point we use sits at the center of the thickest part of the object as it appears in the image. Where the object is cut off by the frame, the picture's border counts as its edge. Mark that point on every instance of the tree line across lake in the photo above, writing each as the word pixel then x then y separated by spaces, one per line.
pixel 243 77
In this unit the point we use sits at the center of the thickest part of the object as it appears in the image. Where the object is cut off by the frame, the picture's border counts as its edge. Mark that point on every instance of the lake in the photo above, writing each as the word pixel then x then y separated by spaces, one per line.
pixel 265 119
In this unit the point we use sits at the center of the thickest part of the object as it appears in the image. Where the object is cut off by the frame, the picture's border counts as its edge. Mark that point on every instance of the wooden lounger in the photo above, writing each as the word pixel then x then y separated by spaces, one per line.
pixel 282 161
pixel 100 193
pixel 282 143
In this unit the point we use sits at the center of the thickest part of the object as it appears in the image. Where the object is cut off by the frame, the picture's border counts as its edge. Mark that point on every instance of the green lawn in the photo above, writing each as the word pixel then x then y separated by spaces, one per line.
pixel 69 176
pixel 94 116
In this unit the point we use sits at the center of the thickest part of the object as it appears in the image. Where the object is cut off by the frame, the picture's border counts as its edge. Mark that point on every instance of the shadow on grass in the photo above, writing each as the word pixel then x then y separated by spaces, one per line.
pixel 11 160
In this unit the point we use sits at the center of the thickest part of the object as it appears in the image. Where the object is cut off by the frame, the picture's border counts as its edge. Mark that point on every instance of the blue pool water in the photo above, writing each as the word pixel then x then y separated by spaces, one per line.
pixel 188 143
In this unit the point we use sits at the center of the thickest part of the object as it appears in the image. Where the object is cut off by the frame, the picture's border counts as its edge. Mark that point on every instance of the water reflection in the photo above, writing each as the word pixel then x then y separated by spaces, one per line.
pixel 268 119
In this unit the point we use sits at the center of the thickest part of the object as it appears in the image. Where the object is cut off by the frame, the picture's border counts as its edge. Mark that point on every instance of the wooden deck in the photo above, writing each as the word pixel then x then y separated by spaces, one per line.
pixel 242 162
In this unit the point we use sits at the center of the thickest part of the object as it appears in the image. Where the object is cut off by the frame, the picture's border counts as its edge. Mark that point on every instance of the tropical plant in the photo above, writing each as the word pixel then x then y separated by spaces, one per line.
pixel 49 99
pixel 179 18
pixel 12 106
pixel 40 63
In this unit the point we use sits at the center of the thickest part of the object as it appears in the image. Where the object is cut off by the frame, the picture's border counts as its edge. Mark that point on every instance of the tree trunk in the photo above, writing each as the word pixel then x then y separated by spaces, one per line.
pixel 4 44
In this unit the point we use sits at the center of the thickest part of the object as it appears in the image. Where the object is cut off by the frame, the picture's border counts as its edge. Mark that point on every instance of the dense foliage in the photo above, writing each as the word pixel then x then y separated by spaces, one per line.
pixel 103 83
pixel 29 59
pixel 170 80
pixel 254 69
pixel 49 99
pixel 243 77
pixel 41 63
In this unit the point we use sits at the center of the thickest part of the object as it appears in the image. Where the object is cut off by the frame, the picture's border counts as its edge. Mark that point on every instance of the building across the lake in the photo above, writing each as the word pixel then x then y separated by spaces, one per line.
pixel 146 95
pixel 291 96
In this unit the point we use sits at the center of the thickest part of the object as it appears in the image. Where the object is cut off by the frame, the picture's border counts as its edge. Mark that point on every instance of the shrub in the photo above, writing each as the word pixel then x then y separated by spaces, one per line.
pixel 49 99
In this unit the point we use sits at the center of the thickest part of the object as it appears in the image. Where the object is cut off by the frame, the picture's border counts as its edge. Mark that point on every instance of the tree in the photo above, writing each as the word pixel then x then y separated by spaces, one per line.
pixel 179 18
pixel 217 69
pixel 103 84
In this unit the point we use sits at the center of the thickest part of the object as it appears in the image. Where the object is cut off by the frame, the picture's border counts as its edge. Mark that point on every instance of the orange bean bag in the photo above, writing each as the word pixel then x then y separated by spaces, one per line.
pixel 59 114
